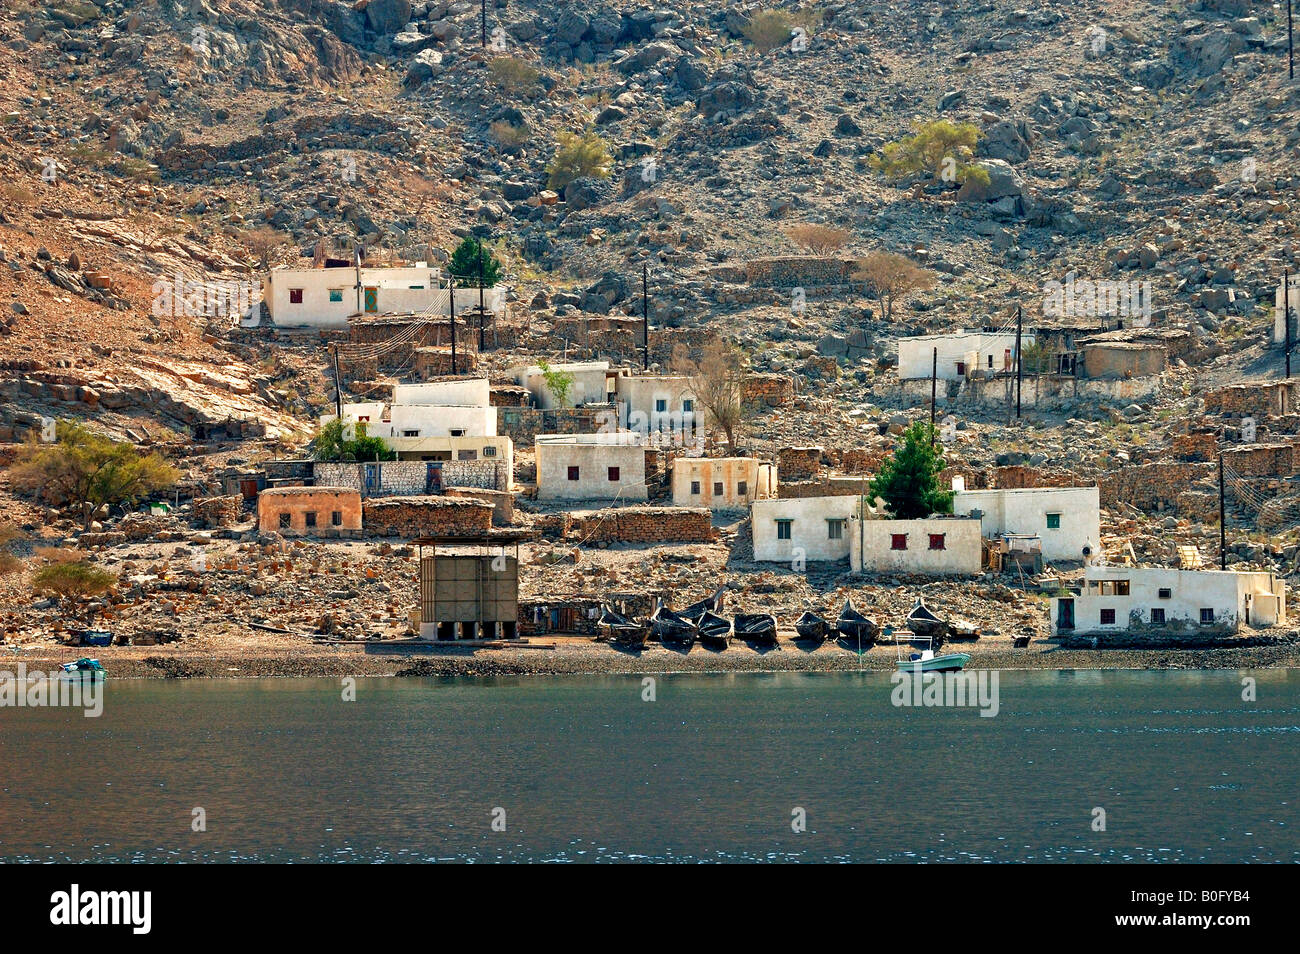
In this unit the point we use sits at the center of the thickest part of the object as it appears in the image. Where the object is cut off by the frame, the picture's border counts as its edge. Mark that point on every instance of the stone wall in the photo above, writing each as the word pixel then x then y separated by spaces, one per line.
pixel 409 477
pixel 1261 460
pixel 830 486
pixel 794 271
pixel 1154 487
pixel 523 424
pixel 1257 399
pixel 412 517
pixel 644 525
pixel 435 362
pixel 770 390
pixel 798 463
pixel 213 512
pixel 1018 477
pixel 503 502
pixel 510 395
pixel 1197 445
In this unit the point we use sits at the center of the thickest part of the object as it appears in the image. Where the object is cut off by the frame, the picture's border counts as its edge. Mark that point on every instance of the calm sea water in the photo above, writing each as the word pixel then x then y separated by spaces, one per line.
pixel 415 770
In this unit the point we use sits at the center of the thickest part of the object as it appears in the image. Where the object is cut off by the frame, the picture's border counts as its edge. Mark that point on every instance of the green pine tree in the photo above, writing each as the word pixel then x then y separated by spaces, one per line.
pixel 908 480
pixel 465 264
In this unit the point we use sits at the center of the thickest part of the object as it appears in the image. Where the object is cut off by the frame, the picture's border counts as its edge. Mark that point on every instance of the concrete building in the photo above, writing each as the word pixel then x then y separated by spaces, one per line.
pixel 325 297
pixel 591 467
pixel 655 402
pixel 437 409
pixel 1066 519
pixel 937 546
pixel 469 585
pixel 809 529
pixel 310 511
pixel 722 483
pixel 1160 600
pixel 592 383
pixel 960 354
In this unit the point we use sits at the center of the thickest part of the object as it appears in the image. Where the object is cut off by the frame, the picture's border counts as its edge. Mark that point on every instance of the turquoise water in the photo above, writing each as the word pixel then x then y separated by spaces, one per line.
pixel 713 769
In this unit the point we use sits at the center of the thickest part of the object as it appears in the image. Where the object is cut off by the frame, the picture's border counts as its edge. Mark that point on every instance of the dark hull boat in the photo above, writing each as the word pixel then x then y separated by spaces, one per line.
pixel 710 604
pixel 811 626
pixel 855 627
pixel 672 629
pixel 758 627
pixel 925 624
pixel 620 629
pixel 715 630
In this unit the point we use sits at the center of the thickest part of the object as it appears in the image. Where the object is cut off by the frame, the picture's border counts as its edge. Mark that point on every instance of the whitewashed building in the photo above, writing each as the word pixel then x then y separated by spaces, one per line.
pixel 722 483
pixel 592 383
pixel 591 467
pixel 326 297
pixel 1066 519
pixel 961 353
pixel 934 546
pixel 1160 600
pixel 807 529
pixel 655 402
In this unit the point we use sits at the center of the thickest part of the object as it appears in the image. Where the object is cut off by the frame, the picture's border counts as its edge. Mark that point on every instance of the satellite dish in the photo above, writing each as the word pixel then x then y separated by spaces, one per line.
pixel 1087 550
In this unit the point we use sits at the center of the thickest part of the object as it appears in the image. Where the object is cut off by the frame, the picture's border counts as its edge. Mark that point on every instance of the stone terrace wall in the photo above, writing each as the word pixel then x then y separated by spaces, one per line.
pixel 503 502
pixel 1197 445
pixel 1019 477
pixel 644 525
pixel 1258 399
pixel 1150 486
pixel 799 270
pixel 1261 460
pixel 426 516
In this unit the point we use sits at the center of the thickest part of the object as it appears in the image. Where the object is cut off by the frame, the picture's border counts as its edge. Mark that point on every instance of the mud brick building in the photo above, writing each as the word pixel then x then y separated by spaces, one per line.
pixel 644 525
pixel 1261 460
pixel 798 463
pixel 414 517
pixel 213 512
pixel 310 511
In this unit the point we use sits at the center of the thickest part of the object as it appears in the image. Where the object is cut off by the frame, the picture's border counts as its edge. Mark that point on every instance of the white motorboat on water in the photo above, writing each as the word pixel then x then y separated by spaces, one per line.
pixel 926 661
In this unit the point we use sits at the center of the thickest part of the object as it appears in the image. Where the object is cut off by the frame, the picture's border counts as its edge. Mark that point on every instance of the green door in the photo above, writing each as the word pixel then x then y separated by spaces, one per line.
pixel 372 300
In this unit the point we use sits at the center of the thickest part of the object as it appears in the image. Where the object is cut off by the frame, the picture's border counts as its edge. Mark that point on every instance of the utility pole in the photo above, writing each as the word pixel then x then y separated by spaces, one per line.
pixel 645 316
pixel 451 297
pixel 482 311
pixel 1286 315
pixel 1223 528
pixel 934 389
pixel 1019 376
pixel 1290 47
pixel 483 40
pixel 338 386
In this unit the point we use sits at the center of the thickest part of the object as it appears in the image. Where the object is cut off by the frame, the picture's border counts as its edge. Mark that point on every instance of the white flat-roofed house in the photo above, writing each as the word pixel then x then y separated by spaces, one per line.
pixel 1167 601
pixel 326 297
pixel 607 466
pixel 591 383
pixel 960 354
pixel 1066 519
pixel 933 546
pixel 808 529
pixel 464 392
pixel 651 403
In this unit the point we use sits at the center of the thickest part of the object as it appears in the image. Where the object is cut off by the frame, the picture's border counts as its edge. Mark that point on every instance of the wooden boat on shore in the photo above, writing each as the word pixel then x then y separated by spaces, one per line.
pixel 622 630
pixel 715 631
pixel 811 626
pixel 759 627
pixel 710 604
pixel 925 624
pixel 672 629
pixel 853 626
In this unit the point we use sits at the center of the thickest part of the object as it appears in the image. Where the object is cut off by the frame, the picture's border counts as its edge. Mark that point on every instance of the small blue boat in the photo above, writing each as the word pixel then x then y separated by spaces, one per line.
pixel 96 637
pixel 84 668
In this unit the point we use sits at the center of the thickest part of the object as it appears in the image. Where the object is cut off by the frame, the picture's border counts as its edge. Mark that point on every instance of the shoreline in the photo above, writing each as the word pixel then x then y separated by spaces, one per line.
pixel 583 657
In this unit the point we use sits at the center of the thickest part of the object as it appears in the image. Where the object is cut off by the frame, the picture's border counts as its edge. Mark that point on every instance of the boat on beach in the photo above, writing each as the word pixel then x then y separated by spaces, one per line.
pixel 710 604
pixel 715 630
pixel 84 668
pixel 622 630
pixel 672 629
pixel 759 627
pixel 852 625
pixel 926 624
pixel 811 626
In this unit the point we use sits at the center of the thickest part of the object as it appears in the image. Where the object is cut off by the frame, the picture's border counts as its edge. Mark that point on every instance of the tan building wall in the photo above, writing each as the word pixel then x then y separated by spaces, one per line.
pixel 941 546
pixel 309 511
pixel 721 483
